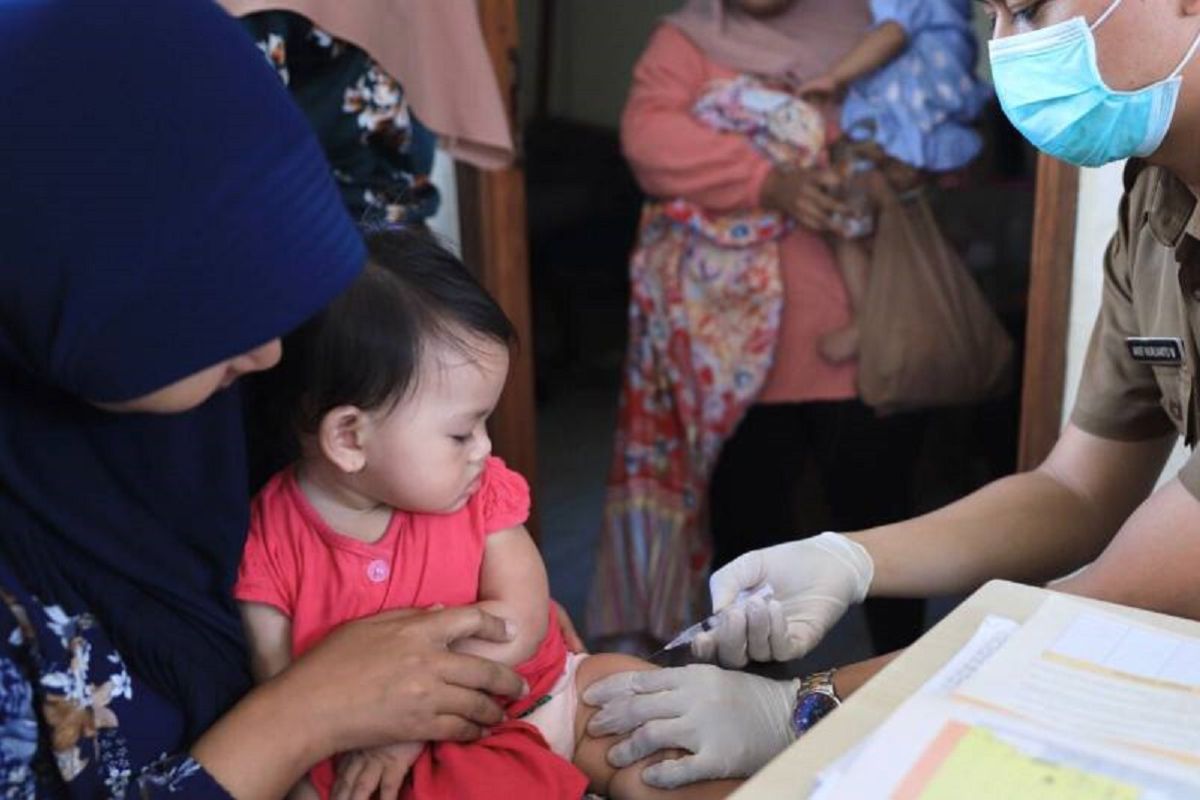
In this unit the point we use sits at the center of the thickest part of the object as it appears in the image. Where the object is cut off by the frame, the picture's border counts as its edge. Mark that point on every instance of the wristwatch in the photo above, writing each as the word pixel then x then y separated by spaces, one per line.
pixel 815 698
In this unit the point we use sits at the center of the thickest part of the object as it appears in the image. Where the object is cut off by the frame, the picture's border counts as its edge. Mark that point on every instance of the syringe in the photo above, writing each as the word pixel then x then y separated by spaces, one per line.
pixel 689 634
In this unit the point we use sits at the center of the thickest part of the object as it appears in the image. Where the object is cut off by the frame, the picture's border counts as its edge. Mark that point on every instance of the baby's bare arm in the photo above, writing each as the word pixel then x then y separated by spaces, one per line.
pixel 269 634
pixel 513 586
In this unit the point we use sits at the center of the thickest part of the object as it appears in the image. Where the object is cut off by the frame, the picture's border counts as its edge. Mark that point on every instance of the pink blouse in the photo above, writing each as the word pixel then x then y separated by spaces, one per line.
pixel 674 155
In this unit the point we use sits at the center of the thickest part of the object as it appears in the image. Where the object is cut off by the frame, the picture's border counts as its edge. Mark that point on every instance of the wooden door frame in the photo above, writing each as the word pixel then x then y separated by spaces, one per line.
pixel 1051 269
pixel 494 232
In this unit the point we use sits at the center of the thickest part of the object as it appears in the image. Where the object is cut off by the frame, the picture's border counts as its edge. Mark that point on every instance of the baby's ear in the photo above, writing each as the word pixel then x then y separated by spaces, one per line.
pixel 340 438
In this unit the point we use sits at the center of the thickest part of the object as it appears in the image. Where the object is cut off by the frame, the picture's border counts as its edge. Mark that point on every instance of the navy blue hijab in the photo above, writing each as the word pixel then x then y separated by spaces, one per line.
pixel 163 207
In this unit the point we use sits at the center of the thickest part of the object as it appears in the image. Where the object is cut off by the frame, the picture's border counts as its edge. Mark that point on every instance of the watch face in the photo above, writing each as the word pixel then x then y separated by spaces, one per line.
pixel 811 709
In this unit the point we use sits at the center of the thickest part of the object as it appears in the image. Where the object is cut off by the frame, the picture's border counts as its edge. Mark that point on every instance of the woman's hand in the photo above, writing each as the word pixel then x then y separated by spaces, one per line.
pixel 392 677
pixel 806 195
pixel 371 682
pixel 732 722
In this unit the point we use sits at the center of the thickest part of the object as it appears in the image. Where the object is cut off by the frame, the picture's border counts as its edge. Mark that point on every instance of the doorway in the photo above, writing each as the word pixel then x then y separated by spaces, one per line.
pixel 576 58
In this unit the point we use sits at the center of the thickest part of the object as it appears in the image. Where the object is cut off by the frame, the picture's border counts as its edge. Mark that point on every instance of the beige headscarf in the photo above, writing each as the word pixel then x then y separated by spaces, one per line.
pixel 435 49
pixel 798 44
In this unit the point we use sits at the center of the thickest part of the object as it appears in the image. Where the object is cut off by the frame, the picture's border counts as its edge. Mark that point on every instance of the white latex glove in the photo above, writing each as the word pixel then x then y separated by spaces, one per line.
pixel 815 581
pixel 732 722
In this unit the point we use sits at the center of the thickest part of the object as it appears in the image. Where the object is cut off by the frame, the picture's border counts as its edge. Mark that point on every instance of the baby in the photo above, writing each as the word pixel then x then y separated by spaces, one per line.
pixel 397 503
pixel 911 98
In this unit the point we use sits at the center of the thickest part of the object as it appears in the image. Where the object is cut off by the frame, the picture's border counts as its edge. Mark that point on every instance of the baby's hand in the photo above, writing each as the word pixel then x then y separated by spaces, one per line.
pixel 822 87
pixel 362 772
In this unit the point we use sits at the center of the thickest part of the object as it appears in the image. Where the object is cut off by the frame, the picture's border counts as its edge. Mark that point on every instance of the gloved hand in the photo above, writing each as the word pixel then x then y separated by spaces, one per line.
pixel 815 581
pixel 732 722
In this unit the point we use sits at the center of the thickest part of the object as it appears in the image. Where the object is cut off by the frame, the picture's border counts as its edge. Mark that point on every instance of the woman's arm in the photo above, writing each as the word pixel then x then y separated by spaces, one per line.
pixel 674 155
pixel 671 153
pixel 269 636
pixel 380 679
pixel 513 586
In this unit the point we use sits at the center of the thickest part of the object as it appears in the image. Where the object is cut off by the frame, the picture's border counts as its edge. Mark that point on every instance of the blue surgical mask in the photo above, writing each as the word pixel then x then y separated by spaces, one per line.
pixel 1051 88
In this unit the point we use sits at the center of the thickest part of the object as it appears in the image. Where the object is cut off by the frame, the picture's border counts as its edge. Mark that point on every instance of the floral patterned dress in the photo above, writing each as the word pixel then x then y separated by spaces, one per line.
pixel 73 722
pixel 380 154
pixel 704 316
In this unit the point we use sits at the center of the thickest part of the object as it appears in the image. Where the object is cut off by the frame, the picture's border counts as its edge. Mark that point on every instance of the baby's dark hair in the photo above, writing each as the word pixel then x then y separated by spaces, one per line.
pixel 365 348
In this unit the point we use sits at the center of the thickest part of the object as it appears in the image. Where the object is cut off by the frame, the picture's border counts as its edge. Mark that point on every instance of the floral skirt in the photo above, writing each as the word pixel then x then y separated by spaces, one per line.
pixel 706 303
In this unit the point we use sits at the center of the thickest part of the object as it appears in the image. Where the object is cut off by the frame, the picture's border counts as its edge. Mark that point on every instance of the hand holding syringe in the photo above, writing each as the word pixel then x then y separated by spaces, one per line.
pixel 713 621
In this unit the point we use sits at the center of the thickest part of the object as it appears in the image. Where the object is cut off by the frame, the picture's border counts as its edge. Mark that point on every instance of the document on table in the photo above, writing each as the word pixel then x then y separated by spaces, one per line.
pixel 1086 672
pixel 992 633
pixel 1076 704
pixel 936 748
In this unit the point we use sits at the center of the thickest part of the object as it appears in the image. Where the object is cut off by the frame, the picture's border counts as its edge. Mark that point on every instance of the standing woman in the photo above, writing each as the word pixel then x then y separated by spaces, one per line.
pixel 733 287
pixel 166 216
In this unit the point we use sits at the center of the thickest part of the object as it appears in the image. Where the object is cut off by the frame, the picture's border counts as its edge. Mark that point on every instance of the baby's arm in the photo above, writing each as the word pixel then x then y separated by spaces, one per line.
pixel 874 50
pixel 513 586
pixel 269 633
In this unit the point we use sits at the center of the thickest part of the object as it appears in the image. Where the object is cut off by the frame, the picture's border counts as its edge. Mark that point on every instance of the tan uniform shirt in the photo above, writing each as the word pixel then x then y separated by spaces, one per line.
pixel 1139 379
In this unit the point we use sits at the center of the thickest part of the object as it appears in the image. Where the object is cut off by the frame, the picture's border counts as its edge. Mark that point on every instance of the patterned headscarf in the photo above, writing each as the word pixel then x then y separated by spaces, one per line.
pixel 799 43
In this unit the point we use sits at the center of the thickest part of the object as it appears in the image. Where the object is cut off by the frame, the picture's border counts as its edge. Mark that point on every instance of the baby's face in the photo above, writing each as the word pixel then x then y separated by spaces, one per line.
pixel 427 453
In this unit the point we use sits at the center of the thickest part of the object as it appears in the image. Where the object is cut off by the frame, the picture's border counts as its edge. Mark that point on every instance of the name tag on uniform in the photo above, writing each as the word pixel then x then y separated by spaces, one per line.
pixel 1163 351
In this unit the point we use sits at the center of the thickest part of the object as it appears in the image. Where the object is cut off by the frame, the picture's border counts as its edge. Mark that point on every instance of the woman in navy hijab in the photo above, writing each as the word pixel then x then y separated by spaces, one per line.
pixel 165 216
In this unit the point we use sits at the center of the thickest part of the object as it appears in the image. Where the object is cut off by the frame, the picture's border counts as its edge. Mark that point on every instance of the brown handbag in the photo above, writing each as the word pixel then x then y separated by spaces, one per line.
pixel 928 336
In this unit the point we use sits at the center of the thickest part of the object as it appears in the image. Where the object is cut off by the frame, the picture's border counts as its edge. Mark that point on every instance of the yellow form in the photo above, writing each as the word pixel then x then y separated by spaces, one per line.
pixel 970 761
